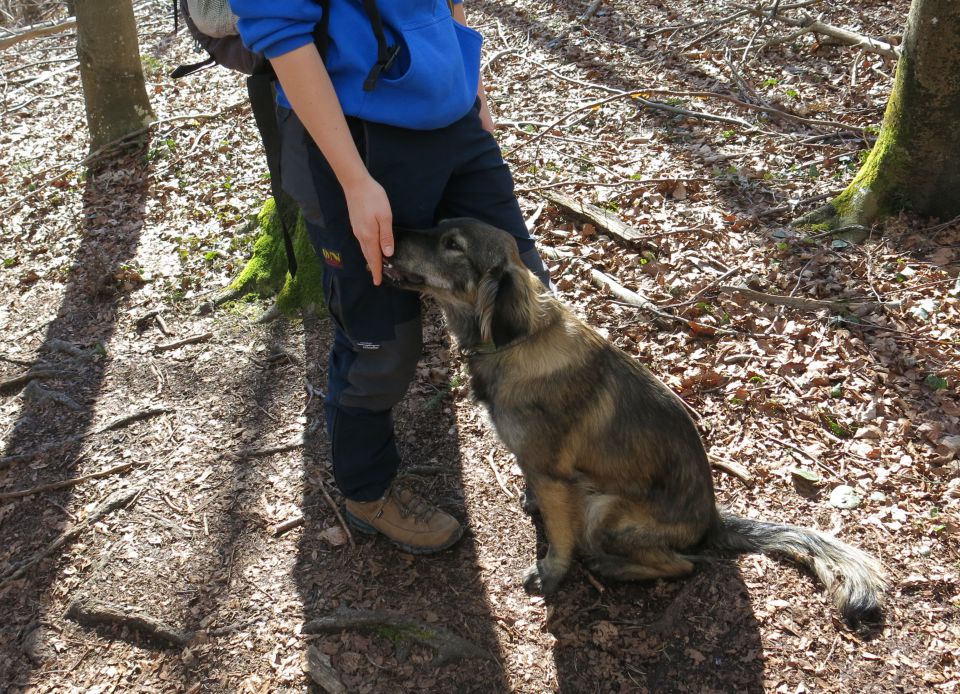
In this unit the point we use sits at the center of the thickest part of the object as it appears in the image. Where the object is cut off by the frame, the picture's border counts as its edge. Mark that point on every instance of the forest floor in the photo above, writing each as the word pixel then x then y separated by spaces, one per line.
pixel 151 454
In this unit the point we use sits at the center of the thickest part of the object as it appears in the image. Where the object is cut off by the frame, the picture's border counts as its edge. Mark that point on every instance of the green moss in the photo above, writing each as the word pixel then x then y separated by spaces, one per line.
pixel 267 273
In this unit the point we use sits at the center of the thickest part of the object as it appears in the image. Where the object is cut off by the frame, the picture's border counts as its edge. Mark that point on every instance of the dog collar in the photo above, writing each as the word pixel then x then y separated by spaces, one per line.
pixel 485 348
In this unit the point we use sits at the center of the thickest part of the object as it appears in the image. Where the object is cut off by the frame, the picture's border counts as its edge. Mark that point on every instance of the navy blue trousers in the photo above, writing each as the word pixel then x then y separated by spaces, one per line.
pixel 456 171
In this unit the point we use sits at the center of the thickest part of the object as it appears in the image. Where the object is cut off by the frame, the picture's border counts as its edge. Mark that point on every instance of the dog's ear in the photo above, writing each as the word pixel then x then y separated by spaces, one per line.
pixel 501 309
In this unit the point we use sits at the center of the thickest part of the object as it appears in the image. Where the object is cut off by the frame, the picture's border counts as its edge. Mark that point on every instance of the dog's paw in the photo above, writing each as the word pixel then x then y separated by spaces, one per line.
pixel 529 502
pixel 539 579
pixel 531 580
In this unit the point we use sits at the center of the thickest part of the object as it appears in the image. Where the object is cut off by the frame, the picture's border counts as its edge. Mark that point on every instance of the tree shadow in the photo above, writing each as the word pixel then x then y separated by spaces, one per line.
pixel 75 352
pixel 443 590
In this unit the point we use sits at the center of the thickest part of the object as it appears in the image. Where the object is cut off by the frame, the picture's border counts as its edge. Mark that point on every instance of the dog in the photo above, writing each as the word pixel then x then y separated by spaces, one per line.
pixel 615 462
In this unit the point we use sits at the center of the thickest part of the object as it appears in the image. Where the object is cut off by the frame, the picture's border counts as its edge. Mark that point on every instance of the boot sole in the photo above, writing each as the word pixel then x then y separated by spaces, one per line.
pixel 368 529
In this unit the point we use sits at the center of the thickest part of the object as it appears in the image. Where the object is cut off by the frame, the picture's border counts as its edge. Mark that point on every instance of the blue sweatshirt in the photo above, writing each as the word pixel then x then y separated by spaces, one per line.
pixel 432 83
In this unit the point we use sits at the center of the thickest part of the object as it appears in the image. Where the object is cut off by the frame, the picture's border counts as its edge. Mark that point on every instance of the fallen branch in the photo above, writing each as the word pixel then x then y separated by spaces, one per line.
pixel 91 612
pixel 842 36
pixel 602 219
pixel 134 417
pixel 287 525
pixel 447 646
pixel 189 340
pixel 270 450
pixel 317 665
pixel 37 31
pixel 118 499
pixel 15 384
pixel 336 512
pixel 591 10
pixel 63 484
pixel 836 306
pixel 9 460
pixel 636 96
pixel 732 468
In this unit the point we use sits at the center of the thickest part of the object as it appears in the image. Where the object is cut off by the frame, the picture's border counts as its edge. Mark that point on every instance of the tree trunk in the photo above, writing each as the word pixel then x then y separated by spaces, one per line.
pixel 915 164
pixel 110 70
pixel 267 273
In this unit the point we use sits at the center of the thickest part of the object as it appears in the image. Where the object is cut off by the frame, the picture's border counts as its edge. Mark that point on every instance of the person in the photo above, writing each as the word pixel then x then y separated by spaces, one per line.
pixel 389 127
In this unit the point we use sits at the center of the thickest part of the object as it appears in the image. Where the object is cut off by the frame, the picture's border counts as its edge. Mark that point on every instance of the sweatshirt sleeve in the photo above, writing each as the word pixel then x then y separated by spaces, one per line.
pixel 276 27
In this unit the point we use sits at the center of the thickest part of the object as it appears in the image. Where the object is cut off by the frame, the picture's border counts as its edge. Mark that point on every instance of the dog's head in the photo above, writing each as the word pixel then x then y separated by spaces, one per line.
pixel 475 273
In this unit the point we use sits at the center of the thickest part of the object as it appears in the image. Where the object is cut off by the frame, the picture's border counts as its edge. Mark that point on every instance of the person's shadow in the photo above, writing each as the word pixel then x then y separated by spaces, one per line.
pixel 371 581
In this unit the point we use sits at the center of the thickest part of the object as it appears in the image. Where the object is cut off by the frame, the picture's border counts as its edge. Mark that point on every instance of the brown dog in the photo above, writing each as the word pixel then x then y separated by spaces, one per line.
pixel 614 461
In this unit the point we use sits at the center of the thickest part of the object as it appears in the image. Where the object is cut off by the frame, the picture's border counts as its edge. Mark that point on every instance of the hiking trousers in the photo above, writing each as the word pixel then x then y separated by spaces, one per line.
pixel 456 171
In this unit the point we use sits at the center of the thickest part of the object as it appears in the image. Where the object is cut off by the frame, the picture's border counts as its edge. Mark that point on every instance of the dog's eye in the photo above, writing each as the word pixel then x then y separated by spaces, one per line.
pixel 450 243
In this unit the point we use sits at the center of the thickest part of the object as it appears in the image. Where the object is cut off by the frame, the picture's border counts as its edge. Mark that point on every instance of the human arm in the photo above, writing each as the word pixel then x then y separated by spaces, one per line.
pixel 311 94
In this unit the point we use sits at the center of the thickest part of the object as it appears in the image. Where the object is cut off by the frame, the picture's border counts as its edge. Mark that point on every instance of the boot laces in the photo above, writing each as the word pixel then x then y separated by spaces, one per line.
pixel 412 504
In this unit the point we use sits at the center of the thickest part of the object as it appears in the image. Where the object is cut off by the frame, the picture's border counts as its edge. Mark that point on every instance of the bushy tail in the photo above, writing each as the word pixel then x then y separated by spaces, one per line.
pixel 854 578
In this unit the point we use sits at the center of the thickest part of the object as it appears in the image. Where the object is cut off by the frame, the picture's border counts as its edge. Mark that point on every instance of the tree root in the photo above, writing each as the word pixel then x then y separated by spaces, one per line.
pixel 38 393
pixel 123 421
pixel 17 383
pixel 447 646
pixel 118 499
pixel 90 612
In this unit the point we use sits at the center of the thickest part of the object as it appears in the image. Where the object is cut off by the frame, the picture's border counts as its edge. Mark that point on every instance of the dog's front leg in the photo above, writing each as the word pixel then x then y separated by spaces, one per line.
pixel 557 501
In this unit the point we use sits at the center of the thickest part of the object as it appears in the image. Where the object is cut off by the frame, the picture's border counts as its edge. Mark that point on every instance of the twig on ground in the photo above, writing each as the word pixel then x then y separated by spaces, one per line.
pixel 287 525
pixel 317 664
pixel 496 473
pixel 123 421
pixel 836 306
pixel 843 36
pixel 57 445
pixel 91 612
pixel 730 467
pixel 447 646
pixel 192 339
pixel 636 96
pixel 336 512
pixel 116 500
pixel 270 450
pixel 64 484
pixel 591 10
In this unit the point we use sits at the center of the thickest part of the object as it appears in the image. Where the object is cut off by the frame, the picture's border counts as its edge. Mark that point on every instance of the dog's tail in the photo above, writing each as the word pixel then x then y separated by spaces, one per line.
pixel 855 579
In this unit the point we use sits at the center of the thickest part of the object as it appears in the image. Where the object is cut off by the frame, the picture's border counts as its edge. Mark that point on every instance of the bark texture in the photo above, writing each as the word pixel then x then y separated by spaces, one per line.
pixel 110 70
pixel 915 164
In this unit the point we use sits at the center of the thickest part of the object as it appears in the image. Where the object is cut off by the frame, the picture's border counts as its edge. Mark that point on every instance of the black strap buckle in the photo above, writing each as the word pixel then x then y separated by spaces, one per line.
pixel 379 67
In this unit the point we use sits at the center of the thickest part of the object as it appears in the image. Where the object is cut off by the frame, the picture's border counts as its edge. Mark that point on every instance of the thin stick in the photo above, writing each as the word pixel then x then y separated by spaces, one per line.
pixel 63 484
pixel 192 339
pixel 37 31
pixel 134 417
pixel 118 499
pixel 732 468
pixel 288 525
pixel 496 473
pixel 336 512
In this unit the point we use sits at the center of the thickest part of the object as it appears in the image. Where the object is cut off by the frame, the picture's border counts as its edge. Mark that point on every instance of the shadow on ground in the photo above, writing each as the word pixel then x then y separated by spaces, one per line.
pixel 61 407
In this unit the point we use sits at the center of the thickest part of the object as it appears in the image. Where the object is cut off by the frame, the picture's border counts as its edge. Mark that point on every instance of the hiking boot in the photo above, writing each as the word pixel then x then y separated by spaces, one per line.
pixel 407 520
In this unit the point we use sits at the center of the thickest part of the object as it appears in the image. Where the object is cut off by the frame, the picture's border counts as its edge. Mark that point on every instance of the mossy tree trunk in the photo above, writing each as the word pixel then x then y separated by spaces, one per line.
pixel 915 164
pixel 113 88
pixel 267 271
